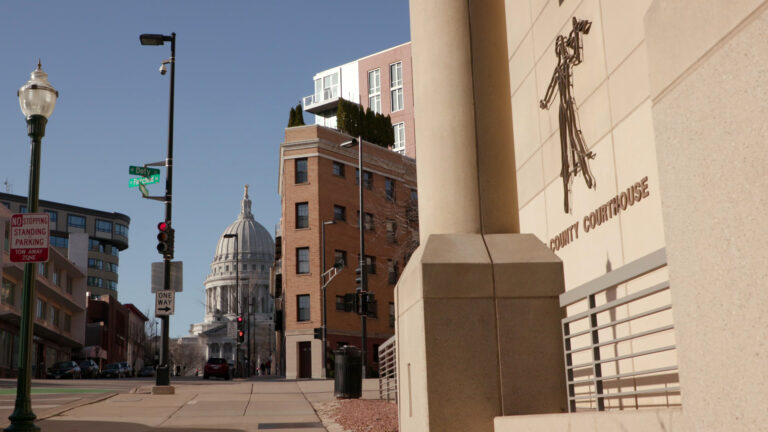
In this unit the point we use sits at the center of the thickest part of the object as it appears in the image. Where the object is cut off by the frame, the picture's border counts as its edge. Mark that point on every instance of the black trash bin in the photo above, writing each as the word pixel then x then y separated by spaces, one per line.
pixel 348 376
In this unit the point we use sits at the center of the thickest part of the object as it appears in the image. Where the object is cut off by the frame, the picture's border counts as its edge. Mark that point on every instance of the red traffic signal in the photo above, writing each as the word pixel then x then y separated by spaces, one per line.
pixel 162 226
pixel 240 336
pixel 239 319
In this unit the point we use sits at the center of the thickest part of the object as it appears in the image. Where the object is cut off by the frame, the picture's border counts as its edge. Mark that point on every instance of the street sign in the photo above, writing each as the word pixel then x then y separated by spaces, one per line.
pixel 136 181
pixel 29 237
pixel 164 301
pixel 177 268
pixel 143 171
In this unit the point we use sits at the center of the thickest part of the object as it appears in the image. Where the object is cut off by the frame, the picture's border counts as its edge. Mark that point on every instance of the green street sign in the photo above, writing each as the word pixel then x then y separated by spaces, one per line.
pixel 144 191
pixel 138 181
pixel 143 171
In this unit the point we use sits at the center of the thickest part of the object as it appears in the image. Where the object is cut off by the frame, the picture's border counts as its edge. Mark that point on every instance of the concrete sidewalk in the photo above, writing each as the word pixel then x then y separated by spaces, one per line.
pixel 246 405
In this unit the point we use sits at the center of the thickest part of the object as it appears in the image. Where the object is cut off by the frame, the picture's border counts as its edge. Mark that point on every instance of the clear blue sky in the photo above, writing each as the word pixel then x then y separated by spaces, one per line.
pixel 241 65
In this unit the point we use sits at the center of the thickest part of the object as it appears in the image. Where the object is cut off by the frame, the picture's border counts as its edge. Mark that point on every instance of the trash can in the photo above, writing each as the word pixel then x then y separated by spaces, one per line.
pixel 348 373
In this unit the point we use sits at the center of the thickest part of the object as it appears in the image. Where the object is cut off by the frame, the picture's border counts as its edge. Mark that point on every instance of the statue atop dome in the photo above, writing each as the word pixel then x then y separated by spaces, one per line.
pixel 245 206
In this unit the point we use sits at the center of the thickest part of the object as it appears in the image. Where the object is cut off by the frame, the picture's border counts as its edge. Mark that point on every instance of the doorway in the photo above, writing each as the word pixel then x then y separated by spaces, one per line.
pixel 305 359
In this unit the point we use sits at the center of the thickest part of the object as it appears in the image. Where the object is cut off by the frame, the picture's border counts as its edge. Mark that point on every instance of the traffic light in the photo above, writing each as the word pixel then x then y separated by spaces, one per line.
pixel 240 336
pixel 240 331
pixel 165 239
pixel 359 278
pixel 318 332
pixel 362 307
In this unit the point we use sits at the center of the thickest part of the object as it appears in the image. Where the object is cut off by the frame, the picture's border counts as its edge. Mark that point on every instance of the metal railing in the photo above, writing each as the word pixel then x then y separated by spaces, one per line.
pixel 388 370
pixel 316 98
pixel 619 348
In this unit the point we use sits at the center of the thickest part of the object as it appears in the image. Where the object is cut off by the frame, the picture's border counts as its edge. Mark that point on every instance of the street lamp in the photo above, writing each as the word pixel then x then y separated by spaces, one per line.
pixel 361 222
pixel 325 307
pixel 163 371
pixel 237 289
pixel 37 99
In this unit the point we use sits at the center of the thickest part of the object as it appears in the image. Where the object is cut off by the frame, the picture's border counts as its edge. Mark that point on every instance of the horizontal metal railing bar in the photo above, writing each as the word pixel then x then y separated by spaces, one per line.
pixel 622 339
pixel 624 357
pixel 591 380
pixel 620 321
pixel 661 390
pixel 633 270
pixel 618 302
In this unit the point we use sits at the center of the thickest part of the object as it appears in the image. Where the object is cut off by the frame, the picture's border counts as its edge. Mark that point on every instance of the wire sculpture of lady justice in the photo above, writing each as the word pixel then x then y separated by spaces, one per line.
pixel 573 150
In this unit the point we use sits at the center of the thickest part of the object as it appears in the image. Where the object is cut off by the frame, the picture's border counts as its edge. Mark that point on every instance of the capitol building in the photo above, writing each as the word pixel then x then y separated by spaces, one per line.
pixel 245 244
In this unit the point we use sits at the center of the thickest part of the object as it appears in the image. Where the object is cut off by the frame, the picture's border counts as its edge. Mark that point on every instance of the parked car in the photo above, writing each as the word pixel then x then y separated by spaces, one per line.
pixel 64 369
pixel 217 367
pixel 146 371
pixel 89 369
pixel 128 369
pixel 113 370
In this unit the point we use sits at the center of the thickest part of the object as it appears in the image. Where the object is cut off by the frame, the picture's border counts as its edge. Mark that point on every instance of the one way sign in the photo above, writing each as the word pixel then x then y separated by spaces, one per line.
pixel 164 303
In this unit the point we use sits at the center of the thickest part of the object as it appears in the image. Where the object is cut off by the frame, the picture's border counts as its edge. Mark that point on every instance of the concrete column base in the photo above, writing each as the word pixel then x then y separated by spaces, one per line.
pixel 478 332
pixel 163 390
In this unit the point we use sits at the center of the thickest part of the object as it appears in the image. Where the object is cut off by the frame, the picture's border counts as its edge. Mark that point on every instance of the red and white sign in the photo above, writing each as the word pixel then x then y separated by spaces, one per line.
pixel 29 237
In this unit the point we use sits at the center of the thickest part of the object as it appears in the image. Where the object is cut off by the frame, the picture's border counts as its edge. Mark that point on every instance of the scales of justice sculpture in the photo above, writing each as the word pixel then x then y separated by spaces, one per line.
pixel 573 151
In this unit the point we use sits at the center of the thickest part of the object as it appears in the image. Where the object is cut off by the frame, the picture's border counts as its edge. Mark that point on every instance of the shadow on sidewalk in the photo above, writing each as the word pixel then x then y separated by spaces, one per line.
pixel 54 425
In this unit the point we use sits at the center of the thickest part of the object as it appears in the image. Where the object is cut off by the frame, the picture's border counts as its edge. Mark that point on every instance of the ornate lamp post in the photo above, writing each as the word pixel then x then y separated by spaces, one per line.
pixel 37 99
pixel 237 303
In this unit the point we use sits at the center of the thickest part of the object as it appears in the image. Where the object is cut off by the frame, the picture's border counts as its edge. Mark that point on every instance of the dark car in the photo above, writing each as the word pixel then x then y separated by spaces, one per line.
pixel 113 370
pixel 146 371
pixel 217 367
pixel 89 369
pixel 64 369
pixel 127 368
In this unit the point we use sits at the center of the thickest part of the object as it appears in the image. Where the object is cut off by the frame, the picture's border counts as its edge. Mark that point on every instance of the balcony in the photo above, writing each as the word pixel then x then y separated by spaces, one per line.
pixel 321 101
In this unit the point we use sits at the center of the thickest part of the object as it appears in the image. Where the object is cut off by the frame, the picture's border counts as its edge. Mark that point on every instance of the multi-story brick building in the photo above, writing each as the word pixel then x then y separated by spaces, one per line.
pixel 107 236
pixel 382 82
pixel 59 325
pixel 317 184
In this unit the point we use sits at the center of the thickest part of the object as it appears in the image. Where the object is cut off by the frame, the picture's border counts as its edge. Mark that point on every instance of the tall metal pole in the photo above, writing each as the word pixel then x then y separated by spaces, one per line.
pixel 238 369
pixel 363 269
pixel 22 418
pixel 163 372
pixel 324 317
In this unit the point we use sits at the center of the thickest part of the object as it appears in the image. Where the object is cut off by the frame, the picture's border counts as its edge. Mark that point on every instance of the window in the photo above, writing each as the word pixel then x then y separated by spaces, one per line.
pixel 302 260
pixel 374 90
pixel 302 307
pixel 338 169
pixel 111 267
pixel 55 316
pixel 67 322
pixel 114 251
pixel 95 245
pixel 389 189
pixel 95 263
pixel 40 313
pixel 103 226
pixel 340 258
pixel 57 277
pixel 369 221
pixel 339 213
pixel 327 87
pixel 391 314
pixel 112 285
pixel 8 292
pixel 340 303
pixel 391 231
pixel 399 132
pixel 59 242
pixel 121 229
pixel 368 179
pixel 22 209
pixel 370 263
pixel 53 215
pixel 392 271
pixel 42 269
pixel 396 85
pixel 414 196
pixel 95 282
pixel 75 221
pixel 301 170
pixel 69 285
pixel 302 215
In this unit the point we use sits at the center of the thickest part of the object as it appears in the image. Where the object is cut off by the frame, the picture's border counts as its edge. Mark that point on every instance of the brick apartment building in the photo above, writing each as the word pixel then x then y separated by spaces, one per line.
pixel 318 183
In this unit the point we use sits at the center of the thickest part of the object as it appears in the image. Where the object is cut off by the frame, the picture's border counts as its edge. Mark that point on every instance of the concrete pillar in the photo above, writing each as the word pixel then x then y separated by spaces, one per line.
pixel 478 322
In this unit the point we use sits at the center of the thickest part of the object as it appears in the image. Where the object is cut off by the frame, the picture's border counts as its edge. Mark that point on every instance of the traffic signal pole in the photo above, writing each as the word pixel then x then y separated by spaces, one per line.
pixel 163 371
pixel 363 269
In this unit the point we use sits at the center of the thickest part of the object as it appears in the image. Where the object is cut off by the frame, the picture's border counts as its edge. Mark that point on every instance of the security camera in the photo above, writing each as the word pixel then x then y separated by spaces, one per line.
pixel 163 70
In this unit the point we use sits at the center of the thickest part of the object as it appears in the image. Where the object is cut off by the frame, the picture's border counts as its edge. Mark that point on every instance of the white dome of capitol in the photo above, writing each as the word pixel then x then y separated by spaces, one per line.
pixel 253 241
